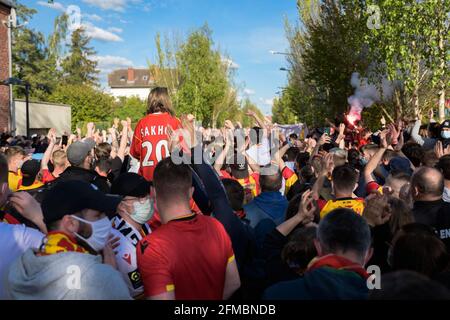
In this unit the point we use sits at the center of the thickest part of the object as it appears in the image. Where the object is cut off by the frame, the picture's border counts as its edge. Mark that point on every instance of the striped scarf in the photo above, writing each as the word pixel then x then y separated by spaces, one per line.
pixel 338 263
pixel 57 242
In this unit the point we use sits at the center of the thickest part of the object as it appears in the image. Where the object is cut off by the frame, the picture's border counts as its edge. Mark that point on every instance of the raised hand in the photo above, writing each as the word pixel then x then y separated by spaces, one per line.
pixel 52 135
pixel 383 139
pixel 229 125
pixel 325 138
pixel 377 210
pixel 439 149
pixel 341 129
pixel 327 163
pixel 307 208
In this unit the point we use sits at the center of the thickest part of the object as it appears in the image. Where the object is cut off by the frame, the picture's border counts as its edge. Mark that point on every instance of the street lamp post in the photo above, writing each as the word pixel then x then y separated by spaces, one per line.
pixel 16 81
pixel 27 107
pixel 284 69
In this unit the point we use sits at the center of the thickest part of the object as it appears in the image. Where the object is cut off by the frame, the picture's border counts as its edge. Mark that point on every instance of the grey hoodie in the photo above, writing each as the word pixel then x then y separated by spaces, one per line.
pixel 65 276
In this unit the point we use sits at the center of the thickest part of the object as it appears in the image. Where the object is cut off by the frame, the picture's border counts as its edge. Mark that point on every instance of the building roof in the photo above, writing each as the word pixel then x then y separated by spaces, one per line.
pixel 7 3
pixel 141 79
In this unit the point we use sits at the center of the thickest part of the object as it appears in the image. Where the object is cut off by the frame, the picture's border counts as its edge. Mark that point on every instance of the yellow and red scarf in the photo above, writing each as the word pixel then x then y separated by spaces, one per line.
pixel 57 242
pixel 337 262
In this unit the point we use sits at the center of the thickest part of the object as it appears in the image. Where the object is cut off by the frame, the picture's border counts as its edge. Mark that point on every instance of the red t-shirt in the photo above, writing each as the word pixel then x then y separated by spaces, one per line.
pixel 47 176
pixel 150 144
pixel 189 256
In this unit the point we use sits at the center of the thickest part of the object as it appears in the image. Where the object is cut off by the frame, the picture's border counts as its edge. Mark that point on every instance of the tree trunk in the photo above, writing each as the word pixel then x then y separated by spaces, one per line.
pixel 442 104
pixel 398 105
pixel 415 101
pixel 442 81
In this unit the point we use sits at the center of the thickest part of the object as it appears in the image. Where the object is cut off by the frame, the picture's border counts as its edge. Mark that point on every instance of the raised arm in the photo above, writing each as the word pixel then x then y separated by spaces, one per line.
pixel 323 139
pixel 327 168
pixel 260 122
pixel 240 235
pixel 305 214
pixel 415 133
pixel 123 141
pixel 90 130
pixel 49 151
pixel 220 160
pixel 373 163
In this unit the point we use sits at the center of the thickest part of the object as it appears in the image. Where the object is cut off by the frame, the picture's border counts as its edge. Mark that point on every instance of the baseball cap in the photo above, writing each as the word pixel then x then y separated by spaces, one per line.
pixel 445 124
pixel 30 169
pixel 131 184
pixel 69 197
pixel 400 164
pixel 77 151
pixel 239 169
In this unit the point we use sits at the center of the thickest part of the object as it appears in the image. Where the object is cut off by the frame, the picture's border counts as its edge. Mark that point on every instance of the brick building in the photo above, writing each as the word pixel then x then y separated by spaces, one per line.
pixel 5 11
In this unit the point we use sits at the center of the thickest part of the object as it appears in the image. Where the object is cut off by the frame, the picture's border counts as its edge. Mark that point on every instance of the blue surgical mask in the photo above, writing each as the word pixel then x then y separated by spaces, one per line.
pixel 445 134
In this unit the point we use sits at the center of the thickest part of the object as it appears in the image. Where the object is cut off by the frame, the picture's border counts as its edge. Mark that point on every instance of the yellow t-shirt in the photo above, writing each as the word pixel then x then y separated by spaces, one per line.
pixel 356 205
pixel 35 185
pixel 14 179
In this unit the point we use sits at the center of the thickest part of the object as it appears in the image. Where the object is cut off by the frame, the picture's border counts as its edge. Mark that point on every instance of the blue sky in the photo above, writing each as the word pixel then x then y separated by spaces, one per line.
pixel 123 34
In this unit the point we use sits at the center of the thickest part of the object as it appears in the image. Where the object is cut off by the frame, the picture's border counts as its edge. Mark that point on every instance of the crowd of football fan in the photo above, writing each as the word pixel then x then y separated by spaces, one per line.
pixel 171 210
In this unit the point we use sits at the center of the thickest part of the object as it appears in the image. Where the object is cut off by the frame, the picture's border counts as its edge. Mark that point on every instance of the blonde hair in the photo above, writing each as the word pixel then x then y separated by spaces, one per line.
pixel 59 158
pixel 159 101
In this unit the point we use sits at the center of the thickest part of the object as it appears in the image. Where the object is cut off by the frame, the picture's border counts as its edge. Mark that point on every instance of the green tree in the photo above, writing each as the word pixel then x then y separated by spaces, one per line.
pixel 247 121
pixel 411 45
pixel 87 102
pixel 78 67
pixel 204 80
pixel 198 78
pixel 30 57
pixel 281 112
pixel 56 39
pixel 334 50
pixel 165 71
pixel 132 107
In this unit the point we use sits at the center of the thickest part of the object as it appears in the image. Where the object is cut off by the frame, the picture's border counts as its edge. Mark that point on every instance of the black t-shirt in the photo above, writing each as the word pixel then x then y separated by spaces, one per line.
pixel 435 214
pixel 116 169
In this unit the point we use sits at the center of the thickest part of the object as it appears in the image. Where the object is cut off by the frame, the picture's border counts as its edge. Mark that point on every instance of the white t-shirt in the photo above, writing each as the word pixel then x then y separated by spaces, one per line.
pixel 126 258
pixel 15 239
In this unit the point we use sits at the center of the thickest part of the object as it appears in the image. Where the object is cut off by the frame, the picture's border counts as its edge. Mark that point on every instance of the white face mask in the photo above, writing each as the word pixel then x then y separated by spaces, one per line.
pixel 100 233
pixel 445 134
pixel 142 211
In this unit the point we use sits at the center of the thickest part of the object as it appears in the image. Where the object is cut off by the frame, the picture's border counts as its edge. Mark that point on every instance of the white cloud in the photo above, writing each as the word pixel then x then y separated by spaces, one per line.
pixel 60 7
pixel 55 5
pixel 249 91
pixel 92 17
pixel 230 63
pixel 115 30
pixel 108 63
pixel 100 34
pixel 267 102
pixel 115 5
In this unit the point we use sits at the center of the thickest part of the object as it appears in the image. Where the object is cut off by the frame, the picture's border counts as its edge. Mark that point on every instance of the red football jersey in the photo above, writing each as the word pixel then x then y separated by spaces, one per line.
pixel 189 256
pixel 150 143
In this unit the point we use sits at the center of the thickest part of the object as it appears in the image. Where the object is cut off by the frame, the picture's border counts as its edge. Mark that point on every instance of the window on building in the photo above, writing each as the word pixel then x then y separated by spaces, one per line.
pixel 122 78
pixel 145 78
